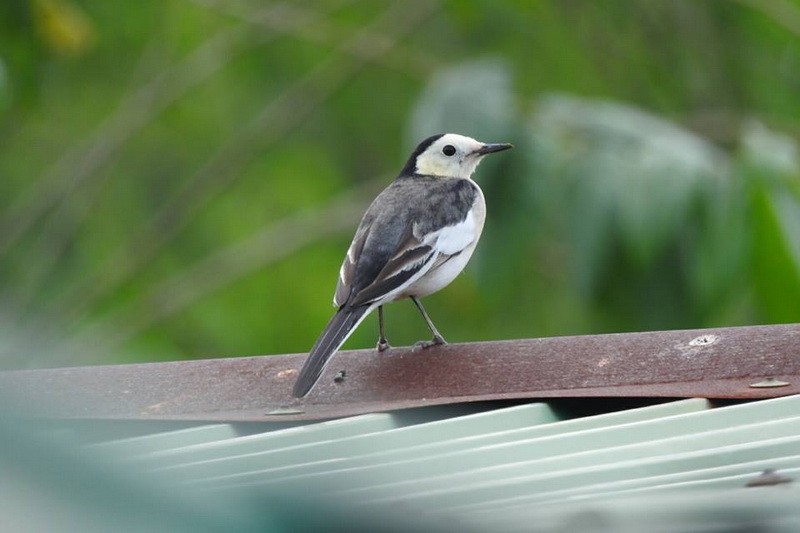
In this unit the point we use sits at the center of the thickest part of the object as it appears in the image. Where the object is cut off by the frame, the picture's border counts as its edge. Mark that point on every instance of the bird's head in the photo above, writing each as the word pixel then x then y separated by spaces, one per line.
pixel 449 155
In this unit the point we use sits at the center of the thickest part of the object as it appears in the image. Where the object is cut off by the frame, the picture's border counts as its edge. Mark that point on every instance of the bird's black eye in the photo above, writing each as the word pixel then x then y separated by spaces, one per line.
pixel 449 150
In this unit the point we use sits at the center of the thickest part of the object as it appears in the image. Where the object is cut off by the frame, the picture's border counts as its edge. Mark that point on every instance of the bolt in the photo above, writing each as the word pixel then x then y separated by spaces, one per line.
pixel 286 411
pixel 769 383
pixel 704 340
pixel 768 478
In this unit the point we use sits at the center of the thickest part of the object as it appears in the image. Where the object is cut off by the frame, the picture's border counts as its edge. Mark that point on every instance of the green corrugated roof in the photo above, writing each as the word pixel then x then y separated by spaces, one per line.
pixel 515 468
pixel 456 443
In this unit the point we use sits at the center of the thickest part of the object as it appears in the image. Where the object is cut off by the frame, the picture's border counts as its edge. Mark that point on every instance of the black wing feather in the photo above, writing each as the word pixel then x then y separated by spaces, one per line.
pixel 384 284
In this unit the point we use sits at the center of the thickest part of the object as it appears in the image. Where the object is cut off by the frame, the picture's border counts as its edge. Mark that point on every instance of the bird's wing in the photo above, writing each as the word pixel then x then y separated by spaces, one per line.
pixel 406 231
pixel 368 275
pixel 408 259
pixel 347 272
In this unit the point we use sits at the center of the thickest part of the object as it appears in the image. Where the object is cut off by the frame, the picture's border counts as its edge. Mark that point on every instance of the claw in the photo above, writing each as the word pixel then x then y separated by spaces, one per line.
pixel 421 345
pixel 383 345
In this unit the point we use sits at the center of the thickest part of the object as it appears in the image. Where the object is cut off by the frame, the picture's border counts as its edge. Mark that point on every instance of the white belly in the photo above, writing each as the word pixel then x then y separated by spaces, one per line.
pixel 440 277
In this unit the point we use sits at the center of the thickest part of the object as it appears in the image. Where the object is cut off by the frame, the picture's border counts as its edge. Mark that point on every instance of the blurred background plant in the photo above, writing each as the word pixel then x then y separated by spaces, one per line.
pixel 181 178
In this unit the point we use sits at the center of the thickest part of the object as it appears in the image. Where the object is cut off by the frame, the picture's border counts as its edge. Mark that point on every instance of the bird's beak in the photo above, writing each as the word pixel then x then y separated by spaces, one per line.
pixel 490 148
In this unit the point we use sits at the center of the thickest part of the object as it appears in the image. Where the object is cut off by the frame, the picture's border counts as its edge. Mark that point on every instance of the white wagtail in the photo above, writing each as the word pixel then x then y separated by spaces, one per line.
pixel 414 239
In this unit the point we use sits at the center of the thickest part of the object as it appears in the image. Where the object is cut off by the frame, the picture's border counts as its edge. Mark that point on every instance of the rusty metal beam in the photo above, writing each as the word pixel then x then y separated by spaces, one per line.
pixel 743 362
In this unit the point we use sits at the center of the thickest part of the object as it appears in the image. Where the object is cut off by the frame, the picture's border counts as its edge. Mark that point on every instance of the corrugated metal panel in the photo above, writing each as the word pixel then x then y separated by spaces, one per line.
pixel 415 452
pixel 169 440
pixel 451 442
pixel 728 511
pixel 510 466
pixel 264 455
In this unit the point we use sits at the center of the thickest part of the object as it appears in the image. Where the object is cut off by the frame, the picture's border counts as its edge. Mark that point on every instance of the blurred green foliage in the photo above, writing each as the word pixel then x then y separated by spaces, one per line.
pixel 181 178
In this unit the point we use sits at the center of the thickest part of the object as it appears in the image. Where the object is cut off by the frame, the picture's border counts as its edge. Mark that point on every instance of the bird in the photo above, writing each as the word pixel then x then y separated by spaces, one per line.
pixel 416 236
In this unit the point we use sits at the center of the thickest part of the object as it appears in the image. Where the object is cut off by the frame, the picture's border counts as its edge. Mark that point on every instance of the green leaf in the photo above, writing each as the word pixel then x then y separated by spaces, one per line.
pixel 776 254
pixel 5 87
pixel 771 152
pixel 619 175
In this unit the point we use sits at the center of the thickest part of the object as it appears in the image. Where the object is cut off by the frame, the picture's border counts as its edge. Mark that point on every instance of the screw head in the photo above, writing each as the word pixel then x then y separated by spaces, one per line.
pixel 769 383
pixel 704 340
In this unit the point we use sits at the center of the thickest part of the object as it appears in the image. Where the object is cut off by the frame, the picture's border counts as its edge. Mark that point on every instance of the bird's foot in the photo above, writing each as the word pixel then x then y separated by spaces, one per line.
pixel 383 345
pixel 421 345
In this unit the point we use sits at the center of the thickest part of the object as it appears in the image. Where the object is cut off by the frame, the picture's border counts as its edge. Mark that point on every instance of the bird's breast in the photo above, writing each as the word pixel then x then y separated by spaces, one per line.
pixel 455 244
pixel 455 237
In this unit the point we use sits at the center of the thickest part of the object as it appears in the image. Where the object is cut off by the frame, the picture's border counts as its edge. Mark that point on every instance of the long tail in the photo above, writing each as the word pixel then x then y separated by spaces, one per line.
pixel 333 336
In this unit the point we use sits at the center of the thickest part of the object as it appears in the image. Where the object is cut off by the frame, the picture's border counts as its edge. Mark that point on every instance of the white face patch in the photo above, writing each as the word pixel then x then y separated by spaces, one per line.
pixel 451 156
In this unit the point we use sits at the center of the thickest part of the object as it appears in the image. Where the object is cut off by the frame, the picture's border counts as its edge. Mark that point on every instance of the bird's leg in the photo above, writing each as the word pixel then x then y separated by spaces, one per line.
pixel 383 344
pixel 437 337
